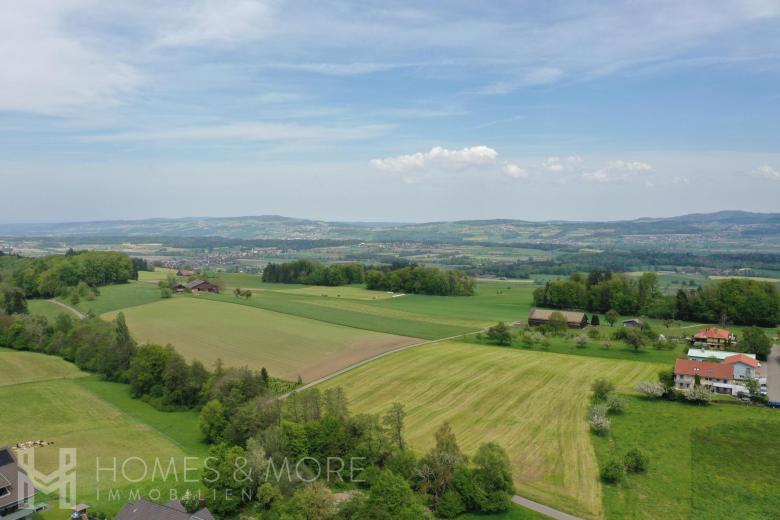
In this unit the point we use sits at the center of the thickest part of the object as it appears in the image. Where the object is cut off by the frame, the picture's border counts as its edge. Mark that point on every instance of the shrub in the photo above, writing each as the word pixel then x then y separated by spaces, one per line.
pixel 651 389
pixel 599 424
pixel 601 388
pixel 581 341
pixel 612 472
pixel 697 395
pixel 636 461
pixel 500 334
pixel 615 404
pixel 450 505
pixel 594 333
pixel 598 409
pixel 165 293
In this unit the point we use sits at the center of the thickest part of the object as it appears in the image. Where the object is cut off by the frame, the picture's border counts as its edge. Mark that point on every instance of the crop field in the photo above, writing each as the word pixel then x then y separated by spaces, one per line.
pixel 288 346
pixel 533 404
pixel 113 297
pixel 75 418
pixel 706 462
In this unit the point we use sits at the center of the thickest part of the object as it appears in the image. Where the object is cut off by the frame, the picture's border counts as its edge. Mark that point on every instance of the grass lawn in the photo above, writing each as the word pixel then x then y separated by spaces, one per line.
pixel 47 309
pixel 349 292
pixel 288 346
pixel 533 404
pixel 706 462
pixel 155 276
pixel 66 413
pixel 114 297
pixel 516 513
pixel 26 367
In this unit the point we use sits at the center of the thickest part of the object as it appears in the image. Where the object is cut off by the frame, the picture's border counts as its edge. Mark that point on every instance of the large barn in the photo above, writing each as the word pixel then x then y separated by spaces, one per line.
pixel 575 320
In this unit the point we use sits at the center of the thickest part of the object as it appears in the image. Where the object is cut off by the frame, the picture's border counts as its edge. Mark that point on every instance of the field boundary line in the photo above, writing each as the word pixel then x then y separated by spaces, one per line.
pixel 80 315
pixel 548 511
pixel 373 358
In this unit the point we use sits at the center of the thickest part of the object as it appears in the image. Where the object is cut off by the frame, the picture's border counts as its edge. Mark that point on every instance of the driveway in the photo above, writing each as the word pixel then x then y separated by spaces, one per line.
pixel 773 375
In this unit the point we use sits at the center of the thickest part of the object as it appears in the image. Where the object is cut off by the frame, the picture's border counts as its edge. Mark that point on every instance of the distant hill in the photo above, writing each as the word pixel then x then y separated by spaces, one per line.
pixel 727 228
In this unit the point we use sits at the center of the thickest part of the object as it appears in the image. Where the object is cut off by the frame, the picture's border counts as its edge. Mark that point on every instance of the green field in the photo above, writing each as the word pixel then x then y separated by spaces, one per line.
pixel 49 310
pixel 713 462
pixel 533 404
pixel 63 411
pixel 113 297
pixel 288 346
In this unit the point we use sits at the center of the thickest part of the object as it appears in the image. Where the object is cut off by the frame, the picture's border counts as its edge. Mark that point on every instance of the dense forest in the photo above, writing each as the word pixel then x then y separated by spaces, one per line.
pixel 313 273
pixel 413 279
pixel 741 302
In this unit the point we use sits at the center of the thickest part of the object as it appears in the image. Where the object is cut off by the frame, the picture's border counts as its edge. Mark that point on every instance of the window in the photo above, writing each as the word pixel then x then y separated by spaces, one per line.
pixel 5 491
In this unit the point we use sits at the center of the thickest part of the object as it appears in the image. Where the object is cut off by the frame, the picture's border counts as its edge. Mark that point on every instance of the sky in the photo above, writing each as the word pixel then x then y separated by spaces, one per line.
pixel 401 111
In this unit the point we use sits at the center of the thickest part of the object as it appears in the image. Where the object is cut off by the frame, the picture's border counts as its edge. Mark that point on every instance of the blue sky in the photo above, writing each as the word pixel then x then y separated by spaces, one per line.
pixel 401 111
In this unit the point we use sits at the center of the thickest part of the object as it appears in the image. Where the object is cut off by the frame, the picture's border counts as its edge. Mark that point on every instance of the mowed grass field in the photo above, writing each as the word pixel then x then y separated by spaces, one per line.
pixel 47 309
pixel 706 462
pixel 533 404
pixel 113 297
pixel 241 335
pixel 39 405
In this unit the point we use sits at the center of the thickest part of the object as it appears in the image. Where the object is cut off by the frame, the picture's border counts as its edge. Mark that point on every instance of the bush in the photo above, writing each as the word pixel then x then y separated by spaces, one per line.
pixel 500 334
pixel 612 472
pixel 165 293
pixel 594 333
pixel 601 389
pixel 651 389
pixel 599 424
pixel 636 461
pixel 581 341
pixel 450 505
pixel 697 395
pixel 615 404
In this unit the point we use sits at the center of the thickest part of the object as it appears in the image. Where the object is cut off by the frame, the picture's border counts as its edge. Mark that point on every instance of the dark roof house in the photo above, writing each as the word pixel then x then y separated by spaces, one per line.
pixel 198 286
pixel 15 489
pixel 148 510
pixel 633 322
pixel 575 320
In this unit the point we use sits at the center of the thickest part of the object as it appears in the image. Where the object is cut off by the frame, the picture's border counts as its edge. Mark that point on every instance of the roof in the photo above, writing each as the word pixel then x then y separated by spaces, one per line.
pixel 712 333
pixel 14 478
pixel 195 283
pixel 544 315
pixel 147 510
pixel 693 367
pixel 741 358
pixel 704 353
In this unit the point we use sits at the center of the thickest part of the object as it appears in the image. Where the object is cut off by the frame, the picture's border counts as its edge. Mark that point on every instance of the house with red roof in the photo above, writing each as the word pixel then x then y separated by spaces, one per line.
pixel 726 377
pixel 714 337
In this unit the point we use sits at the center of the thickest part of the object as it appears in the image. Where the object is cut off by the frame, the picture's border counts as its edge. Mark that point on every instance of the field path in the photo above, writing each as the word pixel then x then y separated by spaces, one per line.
pixel 80 315
pixel 374 358
pixel 543 509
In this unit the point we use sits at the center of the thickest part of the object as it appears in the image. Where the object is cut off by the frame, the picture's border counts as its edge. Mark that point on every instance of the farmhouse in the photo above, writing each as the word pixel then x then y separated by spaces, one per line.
pixel 198 286
pixel 173 510
pixel 16 490
pixel 184 272
pixel 703 354
pixel 575 320
pixel 726 377
pixel 714 337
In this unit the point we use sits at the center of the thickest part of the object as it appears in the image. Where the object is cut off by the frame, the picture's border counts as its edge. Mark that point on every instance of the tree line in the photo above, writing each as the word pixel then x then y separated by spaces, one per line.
pixel 311 429
pixel 314 273
pixel 737 301
pixel 414 279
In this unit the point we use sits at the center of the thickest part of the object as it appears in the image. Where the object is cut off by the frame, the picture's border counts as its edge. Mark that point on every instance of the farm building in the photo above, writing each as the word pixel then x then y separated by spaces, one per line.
pixel 726 377
pixel 173 510
pixel 184 272
pixel 702 354
pixel 633 322
pixel 575 320
pixel 16 490
pixel 198 286
pixel 714 337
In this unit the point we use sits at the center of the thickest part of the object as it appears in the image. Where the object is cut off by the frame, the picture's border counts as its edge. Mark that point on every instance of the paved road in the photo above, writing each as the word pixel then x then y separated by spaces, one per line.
pixel 543 509
pixel 773 375
pixel 73 310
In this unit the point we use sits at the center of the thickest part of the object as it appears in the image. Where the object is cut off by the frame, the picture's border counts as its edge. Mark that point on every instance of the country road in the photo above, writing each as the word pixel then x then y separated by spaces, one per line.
pixel 80 315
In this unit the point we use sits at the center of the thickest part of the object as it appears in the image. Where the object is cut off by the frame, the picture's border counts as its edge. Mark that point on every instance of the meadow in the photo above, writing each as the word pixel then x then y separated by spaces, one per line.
pixel 47 309
pixel 533 404
pixel 113 297
pixel 706 462
pixel 57 408
pixel 241 335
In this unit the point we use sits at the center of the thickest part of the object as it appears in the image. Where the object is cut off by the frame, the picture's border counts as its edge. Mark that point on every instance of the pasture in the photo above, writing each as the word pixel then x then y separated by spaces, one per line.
pixel 533 404
pixel 288 346
pixel 47 309
pixel 716 461
pixel 62 411
pixel 114 297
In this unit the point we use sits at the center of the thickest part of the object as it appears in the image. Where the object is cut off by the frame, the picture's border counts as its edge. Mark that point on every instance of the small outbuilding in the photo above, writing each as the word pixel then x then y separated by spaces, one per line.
pixel 574 319
pixel 633 322
pixel 197 286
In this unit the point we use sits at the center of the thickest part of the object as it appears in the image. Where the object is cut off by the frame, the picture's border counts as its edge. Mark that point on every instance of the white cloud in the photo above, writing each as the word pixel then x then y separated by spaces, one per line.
pixel 218 21
pixel 767 172
pixel 617 171
pixel 562 164
pixel 438 158
pixel 246 132
pixel 515 171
